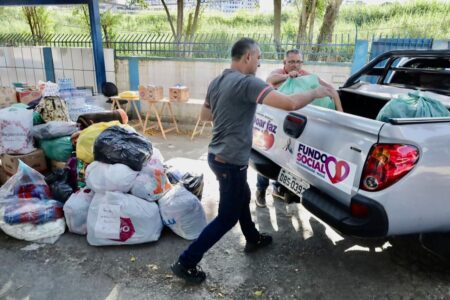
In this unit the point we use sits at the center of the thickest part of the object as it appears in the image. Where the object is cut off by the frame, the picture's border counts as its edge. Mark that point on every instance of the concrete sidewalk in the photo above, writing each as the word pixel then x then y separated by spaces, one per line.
pixel 307 260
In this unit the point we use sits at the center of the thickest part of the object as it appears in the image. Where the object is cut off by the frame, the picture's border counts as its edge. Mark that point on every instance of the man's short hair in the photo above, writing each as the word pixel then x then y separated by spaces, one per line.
pixel 293 51
pixel 241 47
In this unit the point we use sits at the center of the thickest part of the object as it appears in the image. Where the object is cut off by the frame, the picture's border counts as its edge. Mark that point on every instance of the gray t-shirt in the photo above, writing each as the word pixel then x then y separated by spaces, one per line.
pixel 232 98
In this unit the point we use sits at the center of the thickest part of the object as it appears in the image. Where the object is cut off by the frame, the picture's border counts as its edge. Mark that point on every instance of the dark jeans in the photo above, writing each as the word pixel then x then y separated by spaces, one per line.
pixel 234 206
pixel 262 183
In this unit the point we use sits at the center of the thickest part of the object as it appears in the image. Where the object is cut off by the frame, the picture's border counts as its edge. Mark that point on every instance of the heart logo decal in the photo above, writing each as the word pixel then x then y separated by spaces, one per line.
pixel 342 169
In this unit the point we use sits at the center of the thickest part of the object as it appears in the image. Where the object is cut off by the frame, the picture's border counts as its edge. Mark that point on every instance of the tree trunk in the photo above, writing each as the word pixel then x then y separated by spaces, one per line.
pixel 312 18
pixel 329 21
pixel 196 17
pixel 106 34
pixel 35 21
pixel 301 34
pixel 192 26
pixel 169 19
pixel 180 9
pixel 326 31
pixel 277 27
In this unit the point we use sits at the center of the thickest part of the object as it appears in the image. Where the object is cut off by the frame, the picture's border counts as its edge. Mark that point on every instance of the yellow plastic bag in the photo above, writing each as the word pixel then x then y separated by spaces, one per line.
pixel 85 143
pixel 129 95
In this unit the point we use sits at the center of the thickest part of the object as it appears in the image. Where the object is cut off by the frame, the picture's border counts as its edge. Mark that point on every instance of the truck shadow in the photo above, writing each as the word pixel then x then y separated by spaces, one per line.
pixel 316 239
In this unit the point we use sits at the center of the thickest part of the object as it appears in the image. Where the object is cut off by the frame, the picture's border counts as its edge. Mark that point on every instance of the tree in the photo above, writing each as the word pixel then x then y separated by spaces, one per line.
pixel 108 20
pixel 303 21
pixel 38 21
pixel 192 24
pixel 277 26
pixel 329 21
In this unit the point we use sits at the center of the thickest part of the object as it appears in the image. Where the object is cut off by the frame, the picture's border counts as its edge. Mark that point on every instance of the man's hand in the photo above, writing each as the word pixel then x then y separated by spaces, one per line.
pixel 329 91
pixel 324 91
pixel 293 74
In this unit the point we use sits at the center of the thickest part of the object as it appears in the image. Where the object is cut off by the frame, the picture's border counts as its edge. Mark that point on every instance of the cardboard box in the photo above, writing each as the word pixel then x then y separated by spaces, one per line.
pixel 28 96
pixel 7 97
pixel 179 94
pixel 35 159
pixel 151 92
pixel 54 164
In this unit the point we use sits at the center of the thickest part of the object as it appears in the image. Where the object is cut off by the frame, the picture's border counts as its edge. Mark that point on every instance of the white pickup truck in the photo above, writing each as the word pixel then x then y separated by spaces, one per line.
pixel 361 176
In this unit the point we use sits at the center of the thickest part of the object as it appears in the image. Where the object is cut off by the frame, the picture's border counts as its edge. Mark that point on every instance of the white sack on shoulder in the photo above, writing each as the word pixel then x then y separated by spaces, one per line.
pixel 182 212
pixel 101 177
pixel 121 219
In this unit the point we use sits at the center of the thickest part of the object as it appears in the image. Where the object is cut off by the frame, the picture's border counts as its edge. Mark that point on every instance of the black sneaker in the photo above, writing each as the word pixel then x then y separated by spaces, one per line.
pixel 264 240
pixel 192 275
pixel 260 198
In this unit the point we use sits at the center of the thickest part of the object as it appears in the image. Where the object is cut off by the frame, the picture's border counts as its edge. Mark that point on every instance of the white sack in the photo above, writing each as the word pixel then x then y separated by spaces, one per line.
pixel 15 131
pixel 101 177
pixel 54 129
pixel 76 210
pixel 46 233
pixel 122 219
pixel 182 212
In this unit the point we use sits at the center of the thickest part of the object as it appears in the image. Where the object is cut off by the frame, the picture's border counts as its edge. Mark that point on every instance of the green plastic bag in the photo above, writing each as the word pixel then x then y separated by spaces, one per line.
pixel 37 118
pixel 413 105
pixel 304 84
pixel 59 149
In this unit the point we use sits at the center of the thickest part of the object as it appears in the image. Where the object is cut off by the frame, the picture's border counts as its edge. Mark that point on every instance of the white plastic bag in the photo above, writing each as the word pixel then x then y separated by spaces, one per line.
pixel 76 211
pixel 151 185
pixel 157 160
pixel 43 233
pixel 49 89
pixel 15 131
pixel 101 177
pixel 54 129
pixel 182 212
pixel 121 219
pixel 152 182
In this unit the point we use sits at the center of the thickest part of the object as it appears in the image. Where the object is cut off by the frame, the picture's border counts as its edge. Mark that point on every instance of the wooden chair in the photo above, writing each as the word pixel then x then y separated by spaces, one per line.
pixel 197 131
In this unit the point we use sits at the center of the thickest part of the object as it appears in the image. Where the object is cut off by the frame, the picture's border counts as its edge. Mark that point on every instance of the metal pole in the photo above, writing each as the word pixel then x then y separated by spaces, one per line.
pixel 97 44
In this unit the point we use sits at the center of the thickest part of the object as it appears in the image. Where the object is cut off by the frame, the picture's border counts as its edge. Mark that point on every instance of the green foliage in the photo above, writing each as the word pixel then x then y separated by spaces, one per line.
pixel 422 18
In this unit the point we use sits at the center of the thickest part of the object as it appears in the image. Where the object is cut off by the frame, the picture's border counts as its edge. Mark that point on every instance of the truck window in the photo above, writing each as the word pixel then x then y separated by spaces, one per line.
pixel 422 73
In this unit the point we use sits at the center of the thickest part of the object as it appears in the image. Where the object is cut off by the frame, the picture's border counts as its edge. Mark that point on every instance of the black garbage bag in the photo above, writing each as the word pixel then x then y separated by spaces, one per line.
pixel 58 182
pixel 117 145
pixel 193 184
pixel 173 174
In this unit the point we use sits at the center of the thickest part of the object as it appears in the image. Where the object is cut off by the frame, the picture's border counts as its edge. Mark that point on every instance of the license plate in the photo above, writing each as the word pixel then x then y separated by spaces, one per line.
pixel 294 183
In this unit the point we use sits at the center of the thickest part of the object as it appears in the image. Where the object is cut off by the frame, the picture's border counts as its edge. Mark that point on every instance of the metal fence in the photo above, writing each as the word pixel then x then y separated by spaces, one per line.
pixel 210 46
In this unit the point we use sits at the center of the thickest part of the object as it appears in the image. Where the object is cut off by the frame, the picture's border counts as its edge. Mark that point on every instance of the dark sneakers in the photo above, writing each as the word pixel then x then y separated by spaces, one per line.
pixel 264 240
pixel 191 275
pixel 260 198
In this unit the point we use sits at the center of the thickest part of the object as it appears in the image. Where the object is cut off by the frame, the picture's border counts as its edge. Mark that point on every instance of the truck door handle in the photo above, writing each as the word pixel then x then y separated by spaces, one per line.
pixel 294 124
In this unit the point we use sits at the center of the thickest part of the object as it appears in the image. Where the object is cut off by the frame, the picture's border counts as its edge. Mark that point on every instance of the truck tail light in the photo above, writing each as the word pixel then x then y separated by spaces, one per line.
pixel 387 164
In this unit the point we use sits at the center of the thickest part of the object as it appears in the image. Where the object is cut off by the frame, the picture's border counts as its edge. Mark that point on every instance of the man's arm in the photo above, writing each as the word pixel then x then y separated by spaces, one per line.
pixel 324 83
pixel 296 101
pixel 335 97
pixel 276 78
pixel 205 114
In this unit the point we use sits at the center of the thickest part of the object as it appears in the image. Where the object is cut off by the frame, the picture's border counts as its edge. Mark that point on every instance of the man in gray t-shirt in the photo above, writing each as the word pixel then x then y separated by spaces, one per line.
pixel 231 103
pixel 232 98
